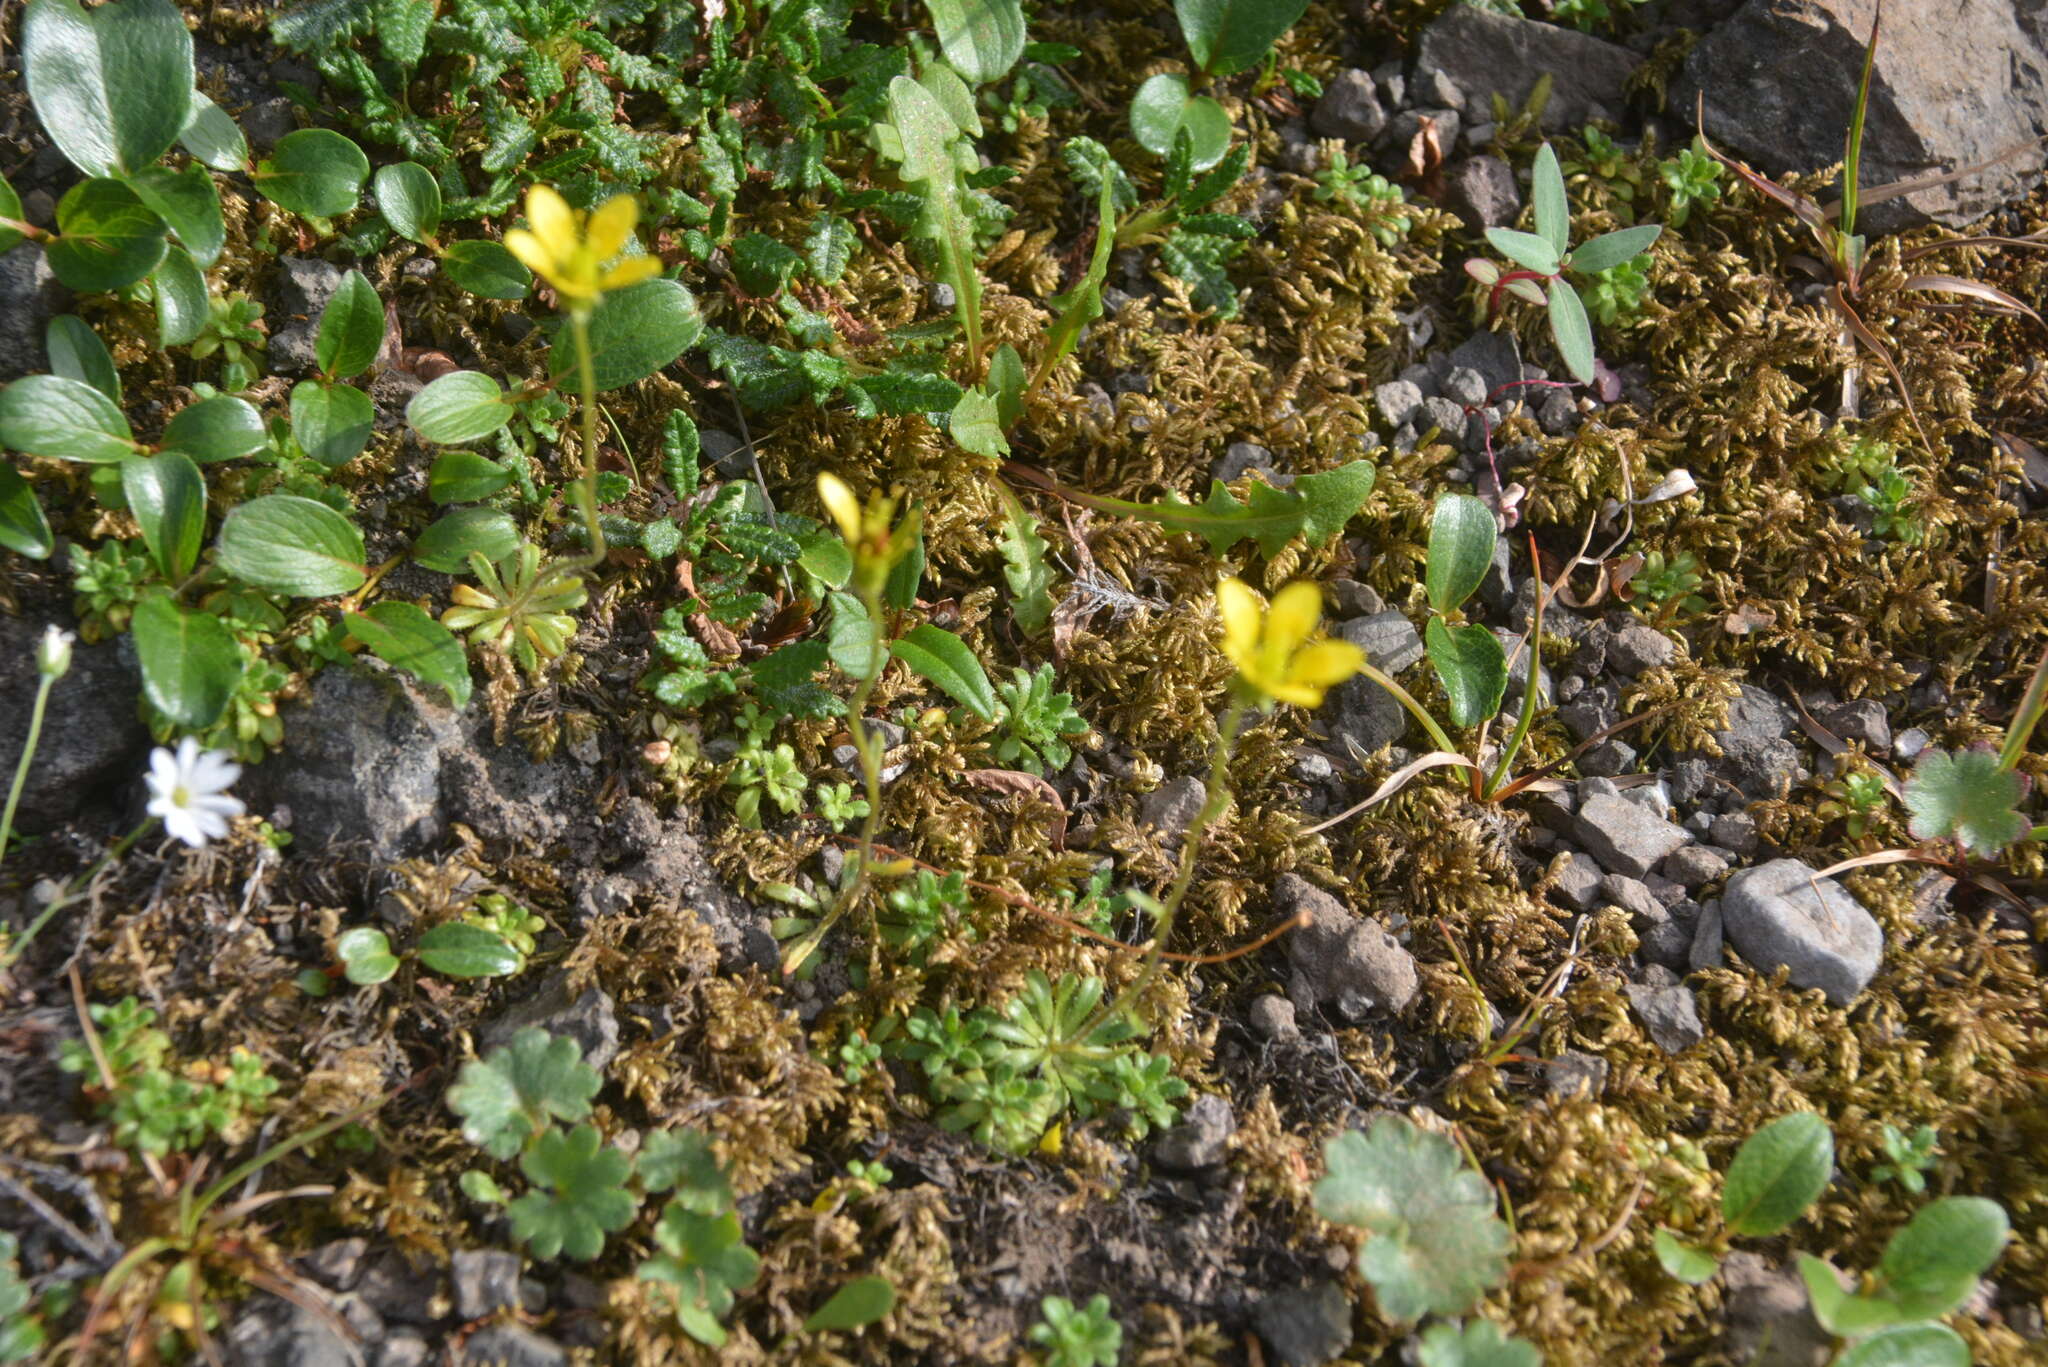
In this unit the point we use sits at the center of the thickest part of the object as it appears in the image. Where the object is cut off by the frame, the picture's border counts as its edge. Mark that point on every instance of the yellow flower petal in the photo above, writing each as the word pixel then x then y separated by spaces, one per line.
pixel 1325 662
pixel 1241 610
pixel 553 222
pixel 1296 610
pixel 844 507
pixel 531 252
pixel 631 271
pixel 1300 694
pixel 611 226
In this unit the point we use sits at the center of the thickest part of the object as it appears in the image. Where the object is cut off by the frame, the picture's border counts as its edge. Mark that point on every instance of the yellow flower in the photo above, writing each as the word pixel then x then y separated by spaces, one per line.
pixel 876 543
pixel 569 249
pixel 1276 650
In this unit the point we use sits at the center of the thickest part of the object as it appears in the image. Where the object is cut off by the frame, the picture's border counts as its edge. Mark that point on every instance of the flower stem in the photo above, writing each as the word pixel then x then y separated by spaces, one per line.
pixel 28 755
pixel 66 896
pixel 586 483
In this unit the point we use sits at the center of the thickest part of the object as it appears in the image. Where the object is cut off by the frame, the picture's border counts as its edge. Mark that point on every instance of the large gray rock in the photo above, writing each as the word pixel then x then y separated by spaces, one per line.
pixel 1955 84
pixel 1349 108
pixel 1783 913
pixel 1389 640
pixel 1340 960
pixel 1365 714
pixel 510 1345
pixel 1755 755
pixel 92 734
pixel 29 297
pixel 304 286
pixel 1484 54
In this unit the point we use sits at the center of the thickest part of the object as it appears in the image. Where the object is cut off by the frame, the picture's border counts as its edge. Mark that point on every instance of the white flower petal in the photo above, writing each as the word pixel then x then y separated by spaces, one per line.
pixel 180 823
pixel 214 772
pixel 188 754
pixel 163 771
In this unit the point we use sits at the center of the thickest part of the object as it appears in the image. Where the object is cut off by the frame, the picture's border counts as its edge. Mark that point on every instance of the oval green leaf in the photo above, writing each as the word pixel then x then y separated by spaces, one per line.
pixel 1163 106
pixel 1693 1266
pixel 1611 249
pixel 1932 1264
pixel 1571 331
pixel 77 353
pixel 409 200
pixel 943 659
pixel 1777 1174
pixel 56 416
pixel 108 238
pixel 860 1302
pixel 220 428
pixel 633 333
pixel 981 38
pixel 365 956
pixel 1461 539
pixel 1908 1345
pixel 113 88
pixel 213 137
pixel 486 269
pixel 459 407
pixel 188 204
pixel 167 494
pixel 458 949
pixel 293 545
pixel 1227 36
pixel 190 661
pixel 404 636
pixel 465 477
pixel 331 422
pixel 1473 667
pixel 181 304
pixel 23 528
pixel 10 207
pixel 447 544
pixel 1553 211
pixel 351 329
pixel 1525 249
pixel 315 172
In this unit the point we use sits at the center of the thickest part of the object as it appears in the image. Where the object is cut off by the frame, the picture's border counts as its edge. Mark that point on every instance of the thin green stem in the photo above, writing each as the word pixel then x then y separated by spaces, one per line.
pixel 66 896
pixel 1407 700
pixel 586 483
pixel 28 755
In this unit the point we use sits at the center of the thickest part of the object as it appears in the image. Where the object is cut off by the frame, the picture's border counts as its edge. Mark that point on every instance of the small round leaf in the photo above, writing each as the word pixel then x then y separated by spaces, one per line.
pixel 459 407
pixel 332 422
pixel 409 200
pixel 315 172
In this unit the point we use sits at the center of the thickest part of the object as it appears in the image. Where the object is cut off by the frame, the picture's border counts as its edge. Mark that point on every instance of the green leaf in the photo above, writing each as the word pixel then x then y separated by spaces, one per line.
pixel 182 307
pixel 1841 1312
pixel 486 269
pixel 1479 1343
pixel 1473 667
pixel 1024 566
pixel 1777 1174
pixel 365 955
pixel 63 418
pixel 188 204
pixel 1553 212
pixel 77 353
pixel 633 333
pixel 1461 542
pixel 583 1194
pixel 862 1301
pixel 975 428
pixel 942 658
pixel 190 661
pixel 351 329
pixel 333 422
pixel 1163 108
pixel 405 636
pixel 457 949
pixel 703 1262
pixel 465 477
pixel 446 546
pixel 1908 1345
pixel 762 265
pixel 10 207
pixel 108 238
pixel 1006 381
pixel 1525 249
pixel 167 494
pixel 410 201
pixel 684 1160
pixel 462 406
pixel 1693 1266
pixel 315 172
pixel 981 38
pixel 1316 508
pixel 515 1091
pixel 1611 249
pixel 906 576
pixel 1436 1243
pixel 222 427
pixel 927 134
pixel 1227 36
pixel 293 545
pixel 23 528
pixel 1963 795
pixel 112 87
pixel 828 248
pixel 1571 331
pixel 1931 1266
pixel 213 137
pixel 681 448
pixel 851 637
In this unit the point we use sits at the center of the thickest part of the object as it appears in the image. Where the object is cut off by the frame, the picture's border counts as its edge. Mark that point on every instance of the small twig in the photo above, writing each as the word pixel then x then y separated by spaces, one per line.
pixel 101 1253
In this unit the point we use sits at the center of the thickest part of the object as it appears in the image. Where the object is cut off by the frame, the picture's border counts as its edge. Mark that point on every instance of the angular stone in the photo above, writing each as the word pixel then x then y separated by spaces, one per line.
pixel 1639 646
pixel 1577 881
pixel 1173 806
pixel 1349 108
pixel 486 1280
pixel 1240 457
pixel 1952 85
pixel 588 1017
pixel 1305 1326
pixel 510 1345
pixel 1572 1073
pixel 1625 836
pixel 1694 866
pixel 1769 1316
pixel 1340 960
pixel 1862 720
pixel 29 297
pixel 1482 191
pixel 1486 54
pixel 1366 715
pixel 1669 1013
pixel 1398 400
pixel 1199 1140
pixel 1734 832
pixel 1272 1017
pixel 1389 640
pixel 1782 913
pixel 304 287
pixel 1492 354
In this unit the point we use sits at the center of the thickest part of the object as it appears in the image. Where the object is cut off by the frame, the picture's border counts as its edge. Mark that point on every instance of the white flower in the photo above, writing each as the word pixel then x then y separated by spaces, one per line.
pixel 53 652
pixel 189 790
